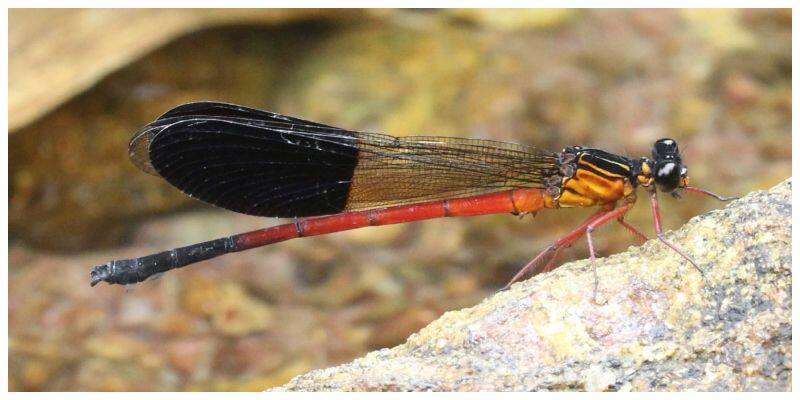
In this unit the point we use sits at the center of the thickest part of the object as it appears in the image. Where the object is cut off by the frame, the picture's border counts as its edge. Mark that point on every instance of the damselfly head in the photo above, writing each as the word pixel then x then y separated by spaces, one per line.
pixel 667 168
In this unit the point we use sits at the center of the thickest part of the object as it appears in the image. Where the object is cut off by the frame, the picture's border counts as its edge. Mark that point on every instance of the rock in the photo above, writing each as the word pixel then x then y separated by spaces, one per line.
pixel 502 20
pixel 663 327
pixel 56 54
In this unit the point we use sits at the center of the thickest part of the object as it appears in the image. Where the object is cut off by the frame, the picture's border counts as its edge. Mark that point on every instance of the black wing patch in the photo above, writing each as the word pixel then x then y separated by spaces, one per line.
pixel 260 163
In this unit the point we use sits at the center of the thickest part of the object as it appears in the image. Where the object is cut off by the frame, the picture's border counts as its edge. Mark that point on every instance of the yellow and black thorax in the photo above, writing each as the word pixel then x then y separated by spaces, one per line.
pixel 593 177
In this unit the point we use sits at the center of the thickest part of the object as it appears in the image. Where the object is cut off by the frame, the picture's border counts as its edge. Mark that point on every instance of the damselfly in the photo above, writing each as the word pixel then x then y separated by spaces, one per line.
pixel 330 179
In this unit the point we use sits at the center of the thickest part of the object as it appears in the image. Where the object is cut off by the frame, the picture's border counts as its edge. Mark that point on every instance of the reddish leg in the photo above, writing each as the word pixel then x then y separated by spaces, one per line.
pixel 551 263
pixel 616 213
pixel 660 234
pixel 632 229
pixel 549 266
pixel 566 240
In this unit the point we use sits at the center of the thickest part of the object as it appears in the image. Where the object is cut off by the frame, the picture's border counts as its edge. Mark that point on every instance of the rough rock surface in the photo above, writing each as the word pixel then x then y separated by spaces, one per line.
pixel 664 327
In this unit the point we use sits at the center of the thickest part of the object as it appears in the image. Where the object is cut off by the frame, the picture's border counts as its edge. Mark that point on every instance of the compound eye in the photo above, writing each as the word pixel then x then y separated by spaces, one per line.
pixel 665 170
pixel 667 176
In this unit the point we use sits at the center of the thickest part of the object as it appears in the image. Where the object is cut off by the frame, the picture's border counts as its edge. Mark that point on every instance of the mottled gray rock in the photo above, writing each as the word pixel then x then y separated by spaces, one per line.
pixel 664 327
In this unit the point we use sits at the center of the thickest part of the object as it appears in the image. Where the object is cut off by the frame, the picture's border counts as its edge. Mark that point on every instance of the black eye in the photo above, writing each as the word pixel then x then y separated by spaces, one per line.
pixel 665 170
pixel 668 176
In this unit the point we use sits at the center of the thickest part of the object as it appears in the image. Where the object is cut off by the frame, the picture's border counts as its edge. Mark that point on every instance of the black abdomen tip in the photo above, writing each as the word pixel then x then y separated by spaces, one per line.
pixel 121 272
pixel 100 273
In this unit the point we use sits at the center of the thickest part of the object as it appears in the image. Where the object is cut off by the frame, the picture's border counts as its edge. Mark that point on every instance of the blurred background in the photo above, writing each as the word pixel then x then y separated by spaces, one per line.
pixel 82 81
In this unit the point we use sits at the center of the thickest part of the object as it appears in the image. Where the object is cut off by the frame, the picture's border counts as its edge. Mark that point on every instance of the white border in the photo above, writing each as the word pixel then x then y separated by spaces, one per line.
pixel 795 195
pixel 361 3
pixel 4 275
pixel 400 4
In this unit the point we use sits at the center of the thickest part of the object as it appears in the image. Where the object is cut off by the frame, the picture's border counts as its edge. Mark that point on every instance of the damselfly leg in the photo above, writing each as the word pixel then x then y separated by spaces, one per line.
pixel 660 233
pixel 566 240
pixel 594 221
pixel 657 220
pixel 617 213
pixel 551 264
pixel 631 229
